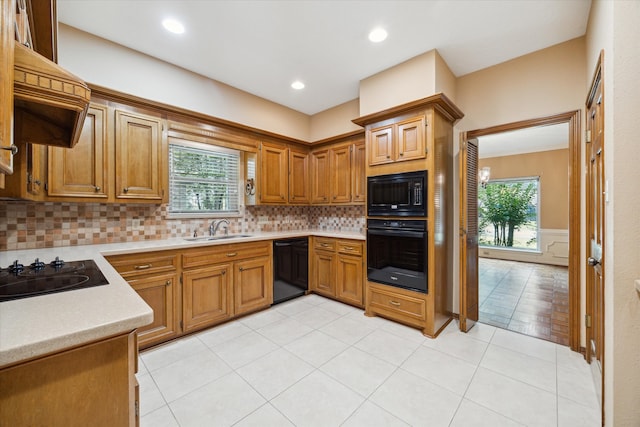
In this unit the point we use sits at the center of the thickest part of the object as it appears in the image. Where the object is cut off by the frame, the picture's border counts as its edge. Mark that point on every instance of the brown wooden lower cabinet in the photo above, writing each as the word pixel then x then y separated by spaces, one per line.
pixel 206 296
pixel 158 292
pixel 324 276
pixel 252 285
pixel 92 385
pixel 337 269
pixel 196 288
pixel 350 278
pixel 154 276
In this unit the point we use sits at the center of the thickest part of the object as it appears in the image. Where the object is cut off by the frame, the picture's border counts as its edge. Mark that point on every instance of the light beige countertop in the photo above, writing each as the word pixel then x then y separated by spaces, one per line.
pixel 32 327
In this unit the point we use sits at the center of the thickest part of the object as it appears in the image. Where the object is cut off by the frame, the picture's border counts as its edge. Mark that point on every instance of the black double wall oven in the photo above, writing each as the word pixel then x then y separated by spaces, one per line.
pixel 397 230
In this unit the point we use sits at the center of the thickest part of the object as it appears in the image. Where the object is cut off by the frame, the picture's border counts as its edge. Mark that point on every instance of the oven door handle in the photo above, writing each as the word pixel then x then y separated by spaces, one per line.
pixel 404 233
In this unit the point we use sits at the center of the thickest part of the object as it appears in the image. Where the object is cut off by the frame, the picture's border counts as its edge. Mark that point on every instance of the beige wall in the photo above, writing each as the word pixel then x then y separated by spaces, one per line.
pixel 613 27
pixel 107 64
pixel 552 168
pixel 405 82
pixel 542 83
pixel 335 121
pixel 445 79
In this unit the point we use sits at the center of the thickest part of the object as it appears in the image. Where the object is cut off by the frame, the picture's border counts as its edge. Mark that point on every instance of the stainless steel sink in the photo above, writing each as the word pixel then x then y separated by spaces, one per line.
pixel 222 237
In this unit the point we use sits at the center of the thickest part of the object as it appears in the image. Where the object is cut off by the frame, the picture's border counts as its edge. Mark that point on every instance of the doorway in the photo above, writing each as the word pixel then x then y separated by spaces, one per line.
pixel 471 298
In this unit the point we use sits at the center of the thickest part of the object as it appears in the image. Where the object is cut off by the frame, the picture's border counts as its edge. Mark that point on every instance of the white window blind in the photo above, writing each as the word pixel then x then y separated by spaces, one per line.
pixel 203 179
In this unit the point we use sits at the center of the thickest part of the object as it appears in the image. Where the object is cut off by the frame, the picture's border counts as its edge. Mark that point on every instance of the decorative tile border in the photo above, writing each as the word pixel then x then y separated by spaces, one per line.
pixel 32 225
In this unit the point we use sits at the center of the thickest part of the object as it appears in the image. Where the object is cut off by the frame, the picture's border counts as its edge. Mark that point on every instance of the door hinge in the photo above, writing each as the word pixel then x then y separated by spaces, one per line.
pixel 587 320
pixel 587 136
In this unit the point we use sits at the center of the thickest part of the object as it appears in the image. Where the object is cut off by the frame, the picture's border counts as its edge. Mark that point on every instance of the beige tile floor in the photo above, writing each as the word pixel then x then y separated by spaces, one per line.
pixel 316 362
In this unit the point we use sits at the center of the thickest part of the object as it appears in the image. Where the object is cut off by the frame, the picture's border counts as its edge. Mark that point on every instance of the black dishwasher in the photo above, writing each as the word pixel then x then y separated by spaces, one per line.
pixel 290 268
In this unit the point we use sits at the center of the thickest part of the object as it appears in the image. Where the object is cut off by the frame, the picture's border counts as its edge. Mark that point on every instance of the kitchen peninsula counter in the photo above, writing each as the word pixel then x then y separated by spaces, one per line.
pixel 42 325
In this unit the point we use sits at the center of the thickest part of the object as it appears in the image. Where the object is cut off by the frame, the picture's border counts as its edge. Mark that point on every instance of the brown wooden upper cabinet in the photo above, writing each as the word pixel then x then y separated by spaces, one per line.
pixel 358 173
pixel 338 174
pixel 340 167
pixel 320 192
pixel 118 158
pixel 396 142
pixel 273 174
pixel 299 176
pixel 83 170
pixel 284 174
pixel 138 157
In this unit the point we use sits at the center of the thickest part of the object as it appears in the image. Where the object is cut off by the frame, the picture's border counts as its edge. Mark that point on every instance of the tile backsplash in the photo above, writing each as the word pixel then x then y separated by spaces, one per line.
pixel 31 225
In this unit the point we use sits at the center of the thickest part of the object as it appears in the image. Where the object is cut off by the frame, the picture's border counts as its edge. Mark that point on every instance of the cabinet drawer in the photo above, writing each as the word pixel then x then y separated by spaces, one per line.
pixel 139 264
pixel 224 253
pixel 324 244
pixel 350 247
pixel 403 307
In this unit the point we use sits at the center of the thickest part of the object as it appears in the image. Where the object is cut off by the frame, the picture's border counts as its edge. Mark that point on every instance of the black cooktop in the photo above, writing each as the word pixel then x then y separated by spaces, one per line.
pixel 19 281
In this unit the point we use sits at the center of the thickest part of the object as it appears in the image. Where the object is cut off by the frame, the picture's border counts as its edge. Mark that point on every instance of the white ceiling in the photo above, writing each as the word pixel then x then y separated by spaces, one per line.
pixel 529 140
pixel 261 46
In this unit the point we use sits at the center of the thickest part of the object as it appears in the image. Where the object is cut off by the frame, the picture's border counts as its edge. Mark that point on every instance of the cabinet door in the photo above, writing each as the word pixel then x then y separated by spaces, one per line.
pixel 82 170
pixel 253 285
pixel 298 177
pixel 206 297
pixel 324 276
pixel 273 175
pixel 411 143
pixel 138 157
pixel 320 176
pixel 358 174
pixel 158 292
pixel 350 279
pixel 341 174
pixel 381 145
pixel 7 17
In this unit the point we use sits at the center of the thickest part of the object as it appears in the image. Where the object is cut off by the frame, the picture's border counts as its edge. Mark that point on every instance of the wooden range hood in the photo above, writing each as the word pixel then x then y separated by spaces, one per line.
pixel 50 103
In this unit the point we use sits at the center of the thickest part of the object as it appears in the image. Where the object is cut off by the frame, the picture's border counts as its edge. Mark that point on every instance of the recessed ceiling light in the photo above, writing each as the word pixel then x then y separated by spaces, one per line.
pixel 173 26
pixel 377 35
pixel 297 85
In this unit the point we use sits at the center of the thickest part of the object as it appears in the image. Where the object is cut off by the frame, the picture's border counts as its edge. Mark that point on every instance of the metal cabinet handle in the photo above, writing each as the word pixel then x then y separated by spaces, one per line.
pixel 125 190
pixel 241 268
pixel 232 254
pixel 388 157
pixel 167 283
pixel 97 188
pixel 348 248
pixel 402 154
pixel 324 244
pixel 396 303
pixel 224 272
pixel 592 261
pixel 142 267
pixel 13 148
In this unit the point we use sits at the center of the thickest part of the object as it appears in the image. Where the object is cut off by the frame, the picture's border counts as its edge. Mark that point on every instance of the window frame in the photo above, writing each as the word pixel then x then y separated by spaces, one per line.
pixel 212 148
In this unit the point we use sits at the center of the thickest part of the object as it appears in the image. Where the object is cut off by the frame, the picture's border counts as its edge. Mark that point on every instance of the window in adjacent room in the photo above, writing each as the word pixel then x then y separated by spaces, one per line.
pixel 508 213
pixel 203 180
